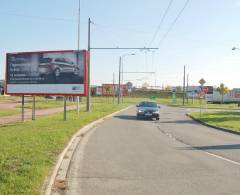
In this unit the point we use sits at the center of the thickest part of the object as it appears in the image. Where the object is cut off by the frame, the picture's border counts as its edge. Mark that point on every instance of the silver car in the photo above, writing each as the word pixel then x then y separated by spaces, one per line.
pixel 57 66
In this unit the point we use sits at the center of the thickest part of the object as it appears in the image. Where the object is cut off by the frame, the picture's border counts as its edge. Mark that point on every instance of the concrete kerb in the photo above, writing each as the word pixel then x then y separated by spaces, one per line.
pixel 57 178
pixel 212 126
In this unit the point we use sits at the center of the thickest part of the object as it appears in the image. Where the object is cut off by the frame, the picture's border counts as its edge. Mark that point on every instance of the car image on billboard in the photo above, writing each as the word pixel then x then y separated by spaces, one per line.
pixel 48 72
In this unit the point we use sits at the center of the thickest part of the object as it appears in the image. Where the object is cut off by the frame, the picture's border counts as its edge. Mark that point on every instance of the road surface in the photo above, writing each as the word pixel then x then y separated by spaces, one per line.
pixel 125 156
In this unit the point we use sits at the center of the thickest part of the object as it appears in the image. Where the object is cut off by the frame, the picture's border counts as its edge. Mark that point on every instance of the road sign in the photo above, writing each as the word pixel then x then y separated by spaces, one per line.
pixel 201 81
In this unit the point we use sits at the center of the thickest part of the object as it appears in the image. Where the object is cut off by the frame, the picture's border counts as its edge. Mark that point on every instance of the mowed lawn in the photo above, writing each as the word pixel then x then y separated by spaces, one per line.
pixel 9 112
pixel 229 120
pixel 29 150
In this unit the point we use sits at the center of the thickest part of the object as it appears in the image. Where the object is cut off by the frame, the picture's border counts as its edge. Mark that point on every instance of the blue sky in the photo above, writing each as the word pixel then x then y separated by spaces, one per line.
pixel 201 39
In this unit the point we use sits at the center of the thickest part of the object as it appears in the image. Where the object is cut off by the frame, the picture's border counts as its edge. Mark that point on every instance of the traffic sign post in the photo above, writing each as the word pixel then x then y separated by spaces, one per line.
pixel 202 94
pixel 174 96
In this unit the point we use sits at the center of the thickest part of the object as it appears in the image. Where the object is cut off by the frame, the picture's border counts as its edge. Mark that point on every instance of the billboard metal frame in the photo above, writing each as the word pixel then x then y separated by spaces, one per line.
pixel 86 58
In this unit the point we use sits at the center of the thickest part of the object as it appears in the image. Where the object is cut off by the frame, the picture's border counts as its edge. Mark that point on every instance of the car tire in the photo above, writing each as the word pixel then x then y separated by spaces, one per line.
pixel 157 118
pixel 57 72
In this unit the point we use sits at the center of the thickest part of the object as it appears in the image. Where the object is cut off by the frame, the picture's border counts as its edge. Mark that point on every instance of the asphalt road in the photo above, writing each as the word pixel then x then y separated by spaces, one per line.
pixel 125 156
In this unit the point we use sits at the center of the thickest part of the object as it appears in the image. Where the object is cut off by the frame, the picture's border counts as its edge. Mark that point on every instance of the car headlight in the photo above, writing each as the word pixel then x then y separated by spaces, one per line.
pixel 156 112
pixel 140 111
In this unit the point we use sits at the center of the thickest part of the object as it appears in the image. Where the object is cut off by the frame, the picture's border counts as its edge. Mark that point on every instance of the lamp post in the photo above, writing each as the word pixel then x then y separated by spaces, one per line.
pixel 235 48
pixel 122 58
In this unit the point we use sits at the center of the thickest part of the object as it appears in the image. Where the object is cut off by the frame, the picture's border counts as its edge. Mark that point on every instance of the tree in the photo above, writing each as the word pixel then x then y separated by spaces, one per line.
pixel 222 89
pixel 168 88
pixel 145 85
pixel 129 85
pixel 179 89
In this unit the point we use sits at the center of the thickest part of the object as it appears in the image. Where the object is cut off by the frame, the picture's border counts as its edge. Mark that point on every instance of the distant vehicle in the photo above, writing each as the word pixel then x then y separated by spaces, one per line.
pixel 148 109
pixel 232 97
pixel 57 66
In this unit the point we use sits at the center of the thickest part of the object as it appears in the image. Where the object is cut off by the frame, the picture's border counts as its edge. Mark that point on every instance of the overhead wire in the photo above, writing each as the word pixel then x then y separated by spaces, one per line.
pixel 38 17
pixel 161 23
pixel 174 21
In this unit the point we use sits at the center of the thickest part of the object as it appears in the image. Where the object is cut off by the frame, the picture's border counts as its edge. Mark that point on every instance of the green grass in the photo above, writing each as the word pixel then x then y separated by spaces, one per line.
pixel 195 104
pixel 3 97
pixel 9 112
pixel 229 120
pixel 42 103
pixel 29 150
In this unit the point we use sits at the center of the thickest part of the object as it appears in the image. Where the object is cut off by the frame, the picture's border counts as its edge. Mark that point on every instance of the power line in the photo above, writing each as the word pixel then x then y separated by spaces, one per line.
pixel 174 22
pixel 38 17
pixel 161 22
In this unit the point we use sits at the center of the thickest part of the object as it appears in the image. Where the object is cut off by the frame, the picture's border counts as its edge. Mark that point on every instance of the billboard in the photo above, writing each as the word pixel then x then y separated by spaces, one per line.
pixel 109 89
pixel 112 89
pixel 47 73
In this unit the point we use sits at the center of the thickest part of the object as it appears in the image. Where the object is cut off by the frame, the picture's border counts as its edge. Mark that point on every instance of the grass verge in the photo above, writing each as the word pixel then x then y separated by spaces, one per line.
pixel 228 120
pixel 9 112
pixel 29 150
pixel 196 104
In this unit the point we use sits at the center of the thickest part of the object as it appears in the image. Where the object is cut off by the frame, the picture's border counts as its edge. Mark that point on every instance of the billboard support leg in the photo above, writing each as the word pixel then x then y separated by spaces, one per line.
pixel 78 105
pixel 33 107
pixel 65 109
pixel 23 108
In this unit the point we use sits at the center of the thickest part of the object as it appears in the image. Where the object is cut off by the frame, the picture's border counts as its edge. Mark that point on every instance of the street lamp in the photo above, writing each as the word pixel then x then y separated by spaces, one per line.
pixel 235 48
pixel 124 55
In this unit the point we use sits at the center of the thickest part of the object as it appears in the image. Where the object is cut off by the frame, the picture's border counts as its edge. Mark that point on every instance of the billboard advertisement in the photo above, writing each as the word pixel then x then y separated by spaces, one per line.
pixel 109 89
pixel 47 73
pixel 112 89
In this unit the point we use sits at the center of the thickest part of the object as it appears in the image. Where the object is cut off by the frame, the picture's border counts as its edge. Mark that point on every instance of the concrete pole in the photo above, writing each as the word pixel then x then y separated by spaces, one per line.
pixel 184 73
pixel 65 109
pixel 88 83
pixel 33 107
pixel 119 79
pixel 23 108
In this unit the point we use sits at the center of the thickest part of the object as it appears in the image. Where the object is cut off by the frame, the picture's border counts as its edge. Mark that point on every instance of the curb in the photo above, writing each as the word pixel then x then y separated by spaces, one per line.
pixel 212 126
pixel 57 180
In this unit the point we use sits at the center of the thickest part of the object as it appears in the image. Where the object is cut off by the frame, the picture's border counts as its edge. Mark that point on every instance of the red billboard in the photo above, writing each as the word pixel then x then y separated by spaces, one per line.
pixel 112 89
pixel 47 73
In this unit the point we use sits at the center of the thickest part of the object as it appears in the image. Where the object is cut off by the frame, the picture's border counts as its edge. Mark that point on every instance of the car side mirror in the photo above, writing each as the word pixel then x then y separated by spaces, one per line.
pixel 137 105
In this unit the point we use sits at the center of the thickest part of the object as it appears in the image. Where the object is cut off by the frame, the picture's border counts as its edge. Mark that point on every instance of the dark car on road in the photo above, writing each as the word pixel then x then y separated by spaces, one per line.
pixel 148 109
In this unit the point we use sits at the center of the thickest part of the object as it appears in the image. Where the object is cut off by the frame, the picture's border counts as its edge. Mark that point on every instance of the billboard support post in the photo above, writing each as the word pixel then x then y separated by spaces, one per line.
pixel 23 108
pixel 119 79
pixel 65 109
pixel 78 109
pixel 33 107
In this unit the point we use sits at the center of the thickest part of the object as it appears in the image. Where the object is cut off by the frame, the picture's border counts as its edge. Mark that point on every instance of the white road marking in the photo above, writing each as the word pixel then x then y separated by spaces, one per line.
pixel 211 154
pixel 222 158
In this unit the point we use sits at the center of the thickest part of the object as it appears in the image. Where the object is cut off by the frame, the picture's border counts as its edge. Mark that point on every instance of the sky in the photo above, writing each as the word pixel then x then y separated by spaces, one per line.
pixel 201 39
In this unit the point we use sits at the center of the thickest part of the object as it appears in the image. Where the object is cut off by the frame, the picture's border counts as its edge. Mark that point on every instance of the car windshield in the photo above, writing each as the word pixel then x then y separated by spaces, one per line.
pixel 148 104
pixel 45 60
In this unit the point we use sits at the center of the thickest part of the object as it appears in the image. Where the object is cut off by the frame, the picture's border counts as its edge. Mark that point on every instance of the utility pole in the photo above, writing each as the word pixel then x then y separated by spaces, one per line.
pixel 78 34
pixel 119 79
pixel 78 45
pixel 89 54
pixel 187 87
pixel 113 88
pixel 184 73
